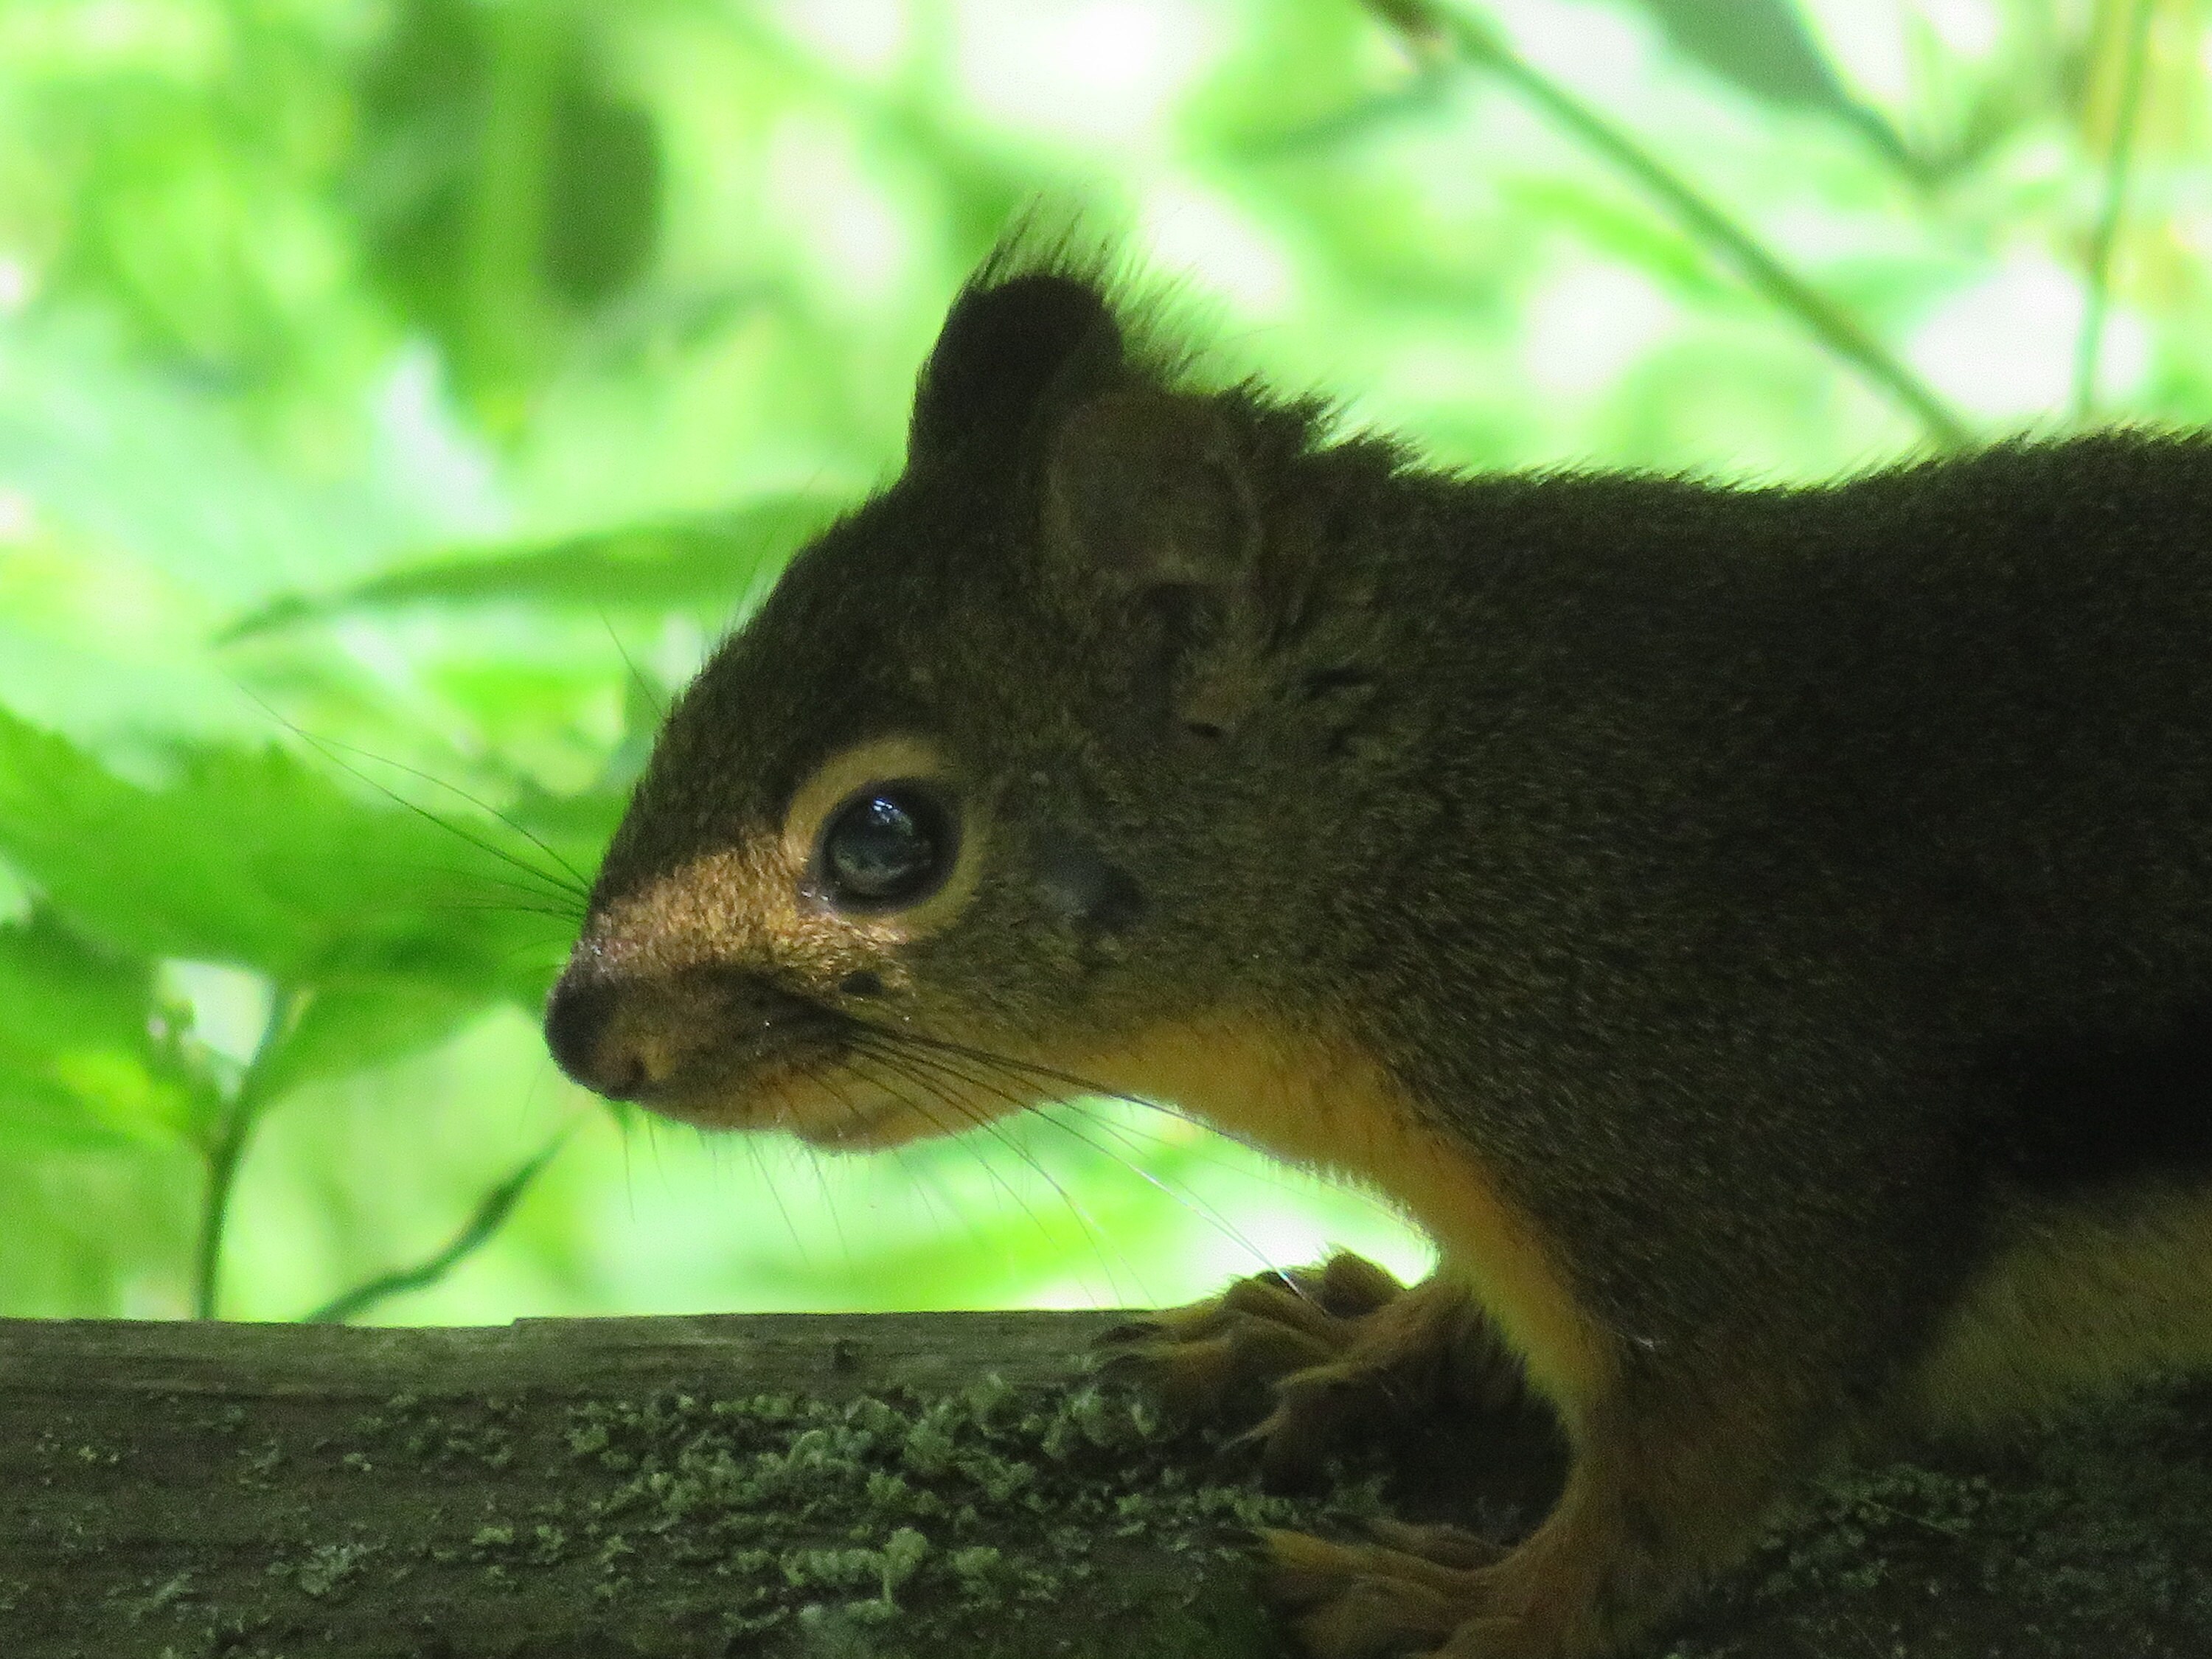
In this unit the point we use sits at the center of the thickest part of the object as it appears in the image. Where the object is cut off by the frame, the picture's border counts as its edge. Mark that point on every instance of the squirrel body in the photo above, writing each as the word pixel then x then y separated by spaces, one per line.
pixel 1764 935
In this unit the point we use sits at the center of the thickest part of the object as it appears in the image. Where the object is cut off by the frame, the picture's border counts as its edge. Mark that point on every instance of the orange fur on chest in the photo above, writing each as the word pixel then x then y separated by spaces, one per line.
pixel 1324 1104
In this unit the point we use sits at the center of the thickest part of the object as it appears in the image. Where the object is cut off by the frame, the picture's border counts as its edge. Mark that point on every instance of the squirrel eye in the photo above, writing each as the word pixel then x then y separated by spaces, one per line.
pixel 889 844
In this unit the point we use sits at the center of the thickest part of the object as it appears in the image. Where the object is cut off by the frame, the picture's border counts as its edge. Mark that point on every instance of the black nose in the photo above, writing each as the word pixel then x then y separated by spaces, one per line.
pixel 577 1018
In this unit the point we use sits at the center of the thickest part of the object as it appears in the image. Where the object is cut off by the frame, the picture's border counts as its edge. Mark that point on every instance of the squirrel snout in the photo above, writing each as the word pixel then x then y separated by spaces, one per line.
pixel 579 1018
pixel 670 1039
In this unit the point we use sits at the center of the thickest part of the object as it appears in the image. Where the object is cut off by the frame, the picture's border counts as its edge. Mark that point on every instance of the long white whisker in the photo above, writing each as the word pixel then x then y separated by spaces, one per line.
pixel 905 1065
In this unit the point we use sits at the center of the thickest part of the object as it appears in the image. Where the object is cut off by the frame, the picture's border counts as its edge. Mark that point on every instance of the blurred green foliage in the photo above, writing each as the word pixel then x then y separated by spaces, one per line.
pixel 397 398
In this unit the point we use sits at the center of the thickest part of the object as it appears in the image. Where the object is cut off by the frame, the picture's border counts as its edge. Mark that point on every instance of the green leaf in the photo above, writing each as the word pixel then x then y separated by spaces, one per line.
pixel 60 992
pixel 120 1107
pixel 351 1026
pixel 78 1067
pixel 708 561
pixel 247 857
pixel 397 928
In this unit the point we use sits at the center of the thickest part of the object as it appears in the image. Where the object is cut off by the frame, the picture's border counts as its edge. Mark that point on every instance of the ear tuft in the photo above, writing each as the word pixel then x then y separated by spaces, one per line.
pixel 1001 347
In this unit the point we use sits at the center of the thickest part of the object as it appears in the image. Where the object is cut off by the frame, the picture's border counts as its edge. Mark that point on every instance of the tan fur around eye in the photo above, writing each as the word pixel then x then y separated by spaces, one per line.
pixel 889 760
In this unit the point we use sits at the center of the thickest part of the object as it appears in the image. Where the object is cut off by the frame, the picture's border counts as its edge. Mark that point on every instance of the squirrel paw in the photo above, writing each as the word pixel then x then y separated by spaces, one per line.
pixel 1435 1591
pixel 1342 1343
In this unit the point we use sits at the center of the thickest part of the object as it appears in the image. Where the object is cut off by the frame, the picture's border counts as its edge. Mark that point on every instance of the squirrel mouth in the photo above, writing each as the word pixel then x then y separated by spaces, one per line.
pixel 860 1124
pixel 859 1094
pixel 820 1102
pixel 824 1085
pixel 723 1050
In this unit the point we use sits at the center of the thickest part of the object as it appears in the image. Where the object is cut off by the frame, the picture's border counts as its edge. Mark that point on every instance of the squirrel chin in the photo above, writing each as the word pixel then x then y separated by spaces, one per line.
pixel 854 1127
pixel 816 1109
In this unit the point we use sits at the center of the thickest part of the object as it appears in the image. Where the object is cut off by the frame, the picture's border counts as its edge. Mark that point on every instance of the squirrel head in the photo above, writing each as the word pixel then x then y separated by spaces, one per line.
pixel 1028 752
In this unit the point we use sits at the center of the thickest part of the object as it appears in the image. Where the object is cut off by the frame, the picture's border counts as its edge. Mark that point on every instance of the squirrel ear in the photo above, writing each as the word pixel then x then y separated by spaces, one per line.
pixel 1148 499
pixel 1001 347
pixel 1146 491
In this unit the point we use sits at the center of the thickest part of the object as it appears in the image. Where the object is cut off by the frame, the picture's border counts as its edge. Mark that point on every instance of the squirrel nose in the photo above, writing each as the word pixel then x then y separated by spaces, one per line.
pixel 658 1038
pixel 578 1017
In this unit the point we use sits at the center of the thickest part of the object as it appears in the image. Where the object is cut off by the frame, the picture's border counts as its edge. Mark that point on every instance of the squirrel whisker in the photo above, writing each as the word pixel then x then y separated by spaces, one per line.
pixel 1191 1202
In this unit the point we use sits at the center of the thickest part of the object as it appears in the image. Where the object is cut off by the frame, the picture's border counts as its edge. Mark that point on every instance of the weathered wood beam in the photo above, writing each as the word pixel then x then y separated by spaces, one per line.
pixel 914 1484
pixel 895 1483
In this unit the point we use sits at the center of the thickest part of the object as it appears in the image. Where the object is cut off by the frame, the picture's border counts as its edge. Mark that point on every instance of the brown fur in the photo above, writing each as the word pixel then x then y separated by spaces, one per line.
pixel 1764 936
pixel 1322 1104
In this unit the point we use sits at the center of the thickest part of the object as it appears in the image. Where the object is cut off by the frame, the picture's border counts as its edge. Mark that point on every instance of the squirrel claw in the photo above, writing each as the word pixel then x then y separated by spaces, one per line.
pixel 1453 1546
pixel 1315 1411
pixel 1362 1601
pixel 1198 1375
pixel 1339 1346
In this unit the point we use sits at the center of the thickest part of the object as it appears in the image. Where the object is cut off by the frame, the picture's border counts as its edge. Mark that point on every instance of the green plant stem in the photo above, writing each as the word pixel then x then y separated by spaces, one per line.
pixel 490 1212
pixel 1427 24
pixel 507 228
pixel 2090 342
pixel 228 1151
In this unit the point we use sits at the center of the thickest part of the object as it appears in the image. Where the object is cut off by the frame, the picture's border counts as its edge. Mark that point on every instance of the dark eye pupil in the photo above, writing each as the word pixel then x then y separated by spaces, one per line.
pixel 883 847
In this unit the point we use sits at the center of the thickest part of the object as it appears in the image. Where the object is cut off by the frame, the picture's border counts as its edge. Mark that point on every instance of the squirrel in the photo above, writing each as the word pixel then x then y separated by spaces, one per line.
pixel 1762 935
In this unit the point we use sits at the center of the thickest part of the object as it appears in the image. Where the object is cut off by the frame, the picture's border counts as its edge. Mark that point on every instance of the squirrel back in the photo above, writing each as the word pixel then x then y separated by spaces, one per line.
pixel 1764 934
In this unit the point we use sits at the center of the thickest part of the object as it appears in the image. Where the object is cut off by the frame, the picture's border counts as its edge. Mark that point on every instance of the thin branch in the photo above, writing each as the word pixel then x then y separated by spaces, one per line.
pixel 2091 340
pixel 227 1150
pixel 491 1210
pixel 1428 27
